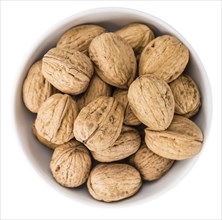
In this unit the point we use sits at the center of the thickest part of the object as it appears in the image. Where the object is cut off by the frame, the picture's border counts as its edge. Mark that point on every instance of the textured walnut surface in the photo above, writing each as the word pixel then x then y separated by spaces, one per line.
pixel 113 182
pixel 69 71
pixel 71 164
pixel 151 100
pixel 182 140
pixel 99 124
pixel 55 118
pixel 165 56
pixel 79 37
pixel 127 143
pixel 114 59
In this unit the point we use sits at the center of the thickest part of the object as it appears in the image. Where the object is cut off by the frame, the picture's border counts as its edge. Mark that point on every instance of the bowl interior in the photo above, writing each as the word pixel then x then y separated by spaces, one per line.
pixel 112 19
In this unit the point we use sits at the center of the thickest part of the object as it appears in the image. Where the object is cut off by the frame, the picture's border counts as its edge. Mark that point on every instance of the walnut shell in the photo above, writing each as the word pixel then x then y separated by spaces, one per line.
pixel 55 119
pixel 165 56
pixel 151 100
pixel 137 36
pixel 71 164
pixel 79 37
pixel 36 89
pixel 114 59
pixel 113 182
pixel 127 143
pixel 69 71
pixel 150 165
pixel 129 117
pixel 182 140
pixel 99 124
pixel 186 96
pixel 96 88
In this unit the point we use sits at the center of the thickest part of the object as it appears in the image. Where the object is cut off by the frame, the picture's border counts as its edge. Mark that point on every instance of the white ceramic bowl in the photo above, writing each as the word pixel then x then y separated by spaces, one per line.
pixel 112 19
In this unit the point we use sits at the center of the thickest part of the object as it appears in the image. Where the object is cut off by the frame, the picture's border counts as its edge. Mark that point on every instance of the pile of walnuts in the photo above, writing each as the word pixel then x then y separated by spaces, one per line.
pixel 114 107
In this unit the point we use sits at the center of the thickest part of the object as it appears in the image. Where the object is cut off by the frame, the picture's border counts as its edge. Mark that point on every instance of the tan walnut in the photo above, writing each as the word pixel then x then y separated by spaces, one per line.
pixel 127 144
pixel 150 165
pixel 97 87
pixel 79 37
pixel 182 140
pixel 36 89
pixel 71 164
pixel 99 124
pixel 186 96
pixel 114 59
pixel 55 119
pixel 165 56
pixel 152 101
pixel 137 36
pixel 68 71
pixel 129 117
pixel 113 182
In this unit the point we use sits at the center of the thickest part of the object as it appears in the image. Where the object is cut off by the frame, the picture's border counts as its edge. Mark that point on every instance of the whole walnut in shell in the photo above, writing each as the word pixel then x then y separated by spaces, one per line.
pixel 150 165
pixel 113 182
pixel 182 140
pixel 55 119
pixel 137 36
pixel 186 96
pixel 99 124
pixel 79 37
pixel 96 88
pixel 36 89
pixel 71 164
pixel 129 117
pixel 127 143
pixel 152 101
pixel 165 56
pixel 114 59
pixel 68 71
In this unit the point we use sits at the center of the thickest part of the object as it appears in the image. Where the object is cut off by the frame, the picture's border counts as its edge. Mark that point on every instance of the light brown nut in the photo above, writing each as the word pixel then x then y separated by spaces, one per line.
pixel 150 165
pixel 71 164
pixel 127 143
pixel 99 124
pixel 79 37
pixel 165 56
pixel 36 89
pixel 96 88
pixel 182 140
pixel 70 72
pixel 137 36
pixel 129 117
pixel 151 100
pixel 113 182
pixel 55 119
pixel 114 59
pixel 186 96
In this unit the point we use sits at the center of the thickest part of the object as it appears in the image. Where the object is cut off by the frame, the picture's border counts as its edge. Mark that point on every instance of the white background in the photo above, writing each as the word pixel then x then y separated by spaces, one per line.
pixel 198 196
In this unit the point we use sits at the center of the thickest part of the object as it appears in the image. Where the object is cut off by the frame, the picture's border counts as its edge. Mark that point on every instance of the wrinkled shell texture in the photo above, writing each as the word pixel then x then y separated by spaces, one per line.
pixel 113 182
pixel 71 164
pixel 99 124
pixel 152 101
pixel 182 140
pixel 165 56
pixel 186 96
pixel 150 165
pixel 127 143
pixel 36 89
pixel 69 72
pixel 79 37
pixel 55 118
pixel 136 35
pixel 114 59
pixel 96 88
pixel 129 117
